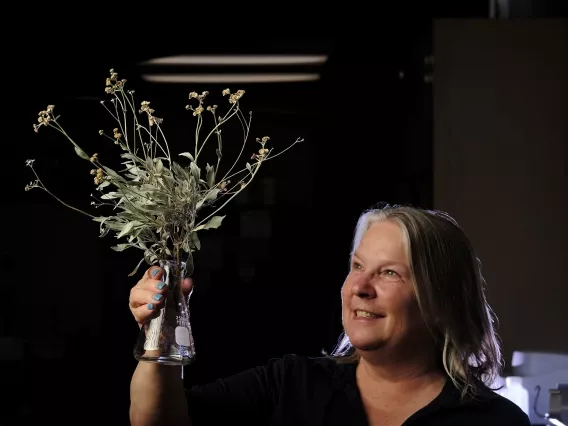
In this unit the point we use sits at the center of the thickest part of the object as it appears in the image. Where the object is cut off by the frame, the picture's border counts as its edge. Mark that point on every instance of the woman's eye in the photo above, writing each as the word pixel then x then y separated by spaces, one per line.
pixel 390 274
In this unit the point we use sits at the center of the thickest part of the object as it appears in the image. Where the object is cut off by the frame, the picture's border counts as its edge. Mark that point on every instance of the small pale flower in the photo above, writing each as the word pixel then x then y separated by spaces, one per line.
pixel 99 176
pixel 113 84
pixel 152 120
pixel 44 117
pixel 31 185
pixel 145 107
pixel 235 97
pixel 156 120
pixel 202 96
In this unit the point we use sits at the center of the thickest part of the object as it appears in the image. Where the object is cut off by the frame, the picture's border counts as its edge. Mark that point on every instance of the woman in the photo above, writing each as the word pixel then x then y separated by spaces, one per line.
pixel 419 346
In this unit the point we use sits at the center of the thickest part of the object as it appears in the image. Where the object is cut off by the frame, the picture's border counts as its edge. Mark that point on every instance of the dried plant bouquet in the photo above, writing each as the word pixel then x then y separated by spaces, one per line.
pixel 155 203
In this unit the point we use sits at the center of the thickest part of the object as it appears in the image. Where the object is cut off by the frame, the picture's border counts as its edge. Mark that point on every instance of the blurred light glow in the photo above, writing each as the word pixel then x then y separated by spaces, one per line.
pixel 239 60
pixel 229 78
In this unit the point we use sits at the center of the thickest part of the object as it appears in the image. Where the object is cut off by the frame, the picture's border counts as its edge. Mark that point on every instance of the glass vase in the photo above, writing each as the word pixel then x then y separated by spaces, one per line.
pixel 167 339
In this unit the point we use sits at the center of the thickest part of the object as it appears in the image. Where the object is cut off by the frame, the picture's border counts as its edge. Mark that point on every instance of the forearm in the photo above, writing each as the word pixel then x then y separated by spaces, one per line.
pixel 157 397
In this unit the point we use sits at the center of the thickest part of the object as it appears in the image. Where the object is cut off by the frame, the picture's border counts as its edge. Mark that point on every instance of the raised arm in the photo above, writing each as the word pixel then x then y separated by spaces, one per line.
pixel 157 395
pixel 156 391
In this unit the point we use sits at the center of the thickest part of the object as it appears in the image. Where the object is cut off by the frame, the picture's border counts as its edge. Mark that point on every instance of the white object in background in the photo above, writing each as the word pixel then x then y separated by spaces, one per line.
pixel 532 369
pixel 559 403
pixel 514 391
pixel 536 363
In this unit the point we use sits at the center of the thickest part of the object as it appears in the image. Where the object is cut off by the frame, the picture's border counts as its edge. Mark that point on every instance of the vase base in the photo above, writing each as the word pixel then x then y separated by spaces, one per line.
pixel 165 360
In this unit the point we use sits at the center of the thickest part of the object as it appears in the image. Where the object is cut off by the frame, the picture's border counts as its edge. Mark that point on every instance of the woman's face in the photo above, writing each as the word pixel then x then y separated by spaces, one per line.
pixel 379 306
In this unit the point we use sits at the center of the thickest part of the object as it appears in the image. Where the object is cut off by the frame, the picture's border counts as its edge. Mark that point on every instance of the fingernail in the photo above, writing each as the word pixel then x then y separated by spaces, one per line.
pixel 155 272
pixel 161 285
pixel 158 297
pixel 150 306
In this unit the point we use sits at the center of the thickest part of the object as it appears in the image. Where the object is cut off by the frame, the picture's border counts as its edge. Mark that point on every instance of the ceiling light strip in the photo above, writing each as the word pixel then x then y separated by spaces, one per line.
pixel 239 60
pixel 229 78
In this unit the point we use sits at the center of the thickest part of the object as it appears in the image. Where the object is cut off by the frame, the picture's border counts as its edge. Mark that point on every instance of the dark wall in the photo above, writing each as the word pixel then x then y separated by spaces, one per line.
pixel 501 103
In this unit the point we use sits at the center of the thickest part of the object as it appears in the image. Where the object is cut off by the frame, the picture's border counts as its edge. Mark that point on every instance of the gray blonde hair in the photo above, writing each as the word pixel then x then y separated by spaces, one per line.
pixel 450 291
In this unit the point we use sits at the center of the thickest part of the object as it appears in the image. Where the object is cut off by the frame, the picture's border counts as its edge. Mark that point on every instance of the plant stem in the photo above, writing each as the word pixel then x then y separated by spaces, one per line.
pixel 246 128
pixel 57 198
pixel 197 129
pixel 124 127
pixel 226 202
pixel 64 133
pixel 225 119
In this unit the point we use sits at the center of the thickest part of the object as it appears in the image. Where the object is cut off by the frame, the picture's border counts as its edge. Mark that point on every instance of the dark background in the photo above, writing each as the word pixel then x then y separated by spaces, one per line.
pixel 268 281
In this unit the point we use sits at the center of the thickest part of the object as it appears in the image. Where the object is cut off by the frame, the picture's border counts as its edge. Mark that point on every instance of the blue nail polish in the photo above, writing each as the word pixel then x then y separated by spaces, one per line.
pixel 150 306
pixel 161 285
pixel 158 297
pixel 155 272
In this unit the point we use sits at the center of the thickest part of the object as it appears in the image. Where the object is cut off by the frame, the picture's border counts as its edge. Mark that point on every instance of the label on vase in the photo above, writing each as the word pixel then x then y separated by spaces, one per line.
pixel 182 336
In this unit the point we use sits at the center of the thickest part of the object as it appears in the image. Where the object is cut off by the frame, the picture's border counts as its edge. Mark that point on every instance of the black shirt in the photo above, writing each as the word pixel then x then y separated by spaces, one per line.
pixel 302 391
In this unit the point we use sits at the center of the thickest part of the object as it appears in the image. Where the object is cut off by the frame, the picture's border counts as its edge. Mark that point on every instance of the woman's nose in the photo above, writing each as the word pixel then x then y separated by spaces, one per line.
pixel 363 288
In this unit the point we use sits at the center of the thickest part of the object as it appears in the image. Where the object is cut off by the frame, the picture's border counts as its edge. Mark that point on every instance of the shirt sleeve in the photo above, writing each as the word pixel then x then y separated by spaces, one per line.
pixel 249 397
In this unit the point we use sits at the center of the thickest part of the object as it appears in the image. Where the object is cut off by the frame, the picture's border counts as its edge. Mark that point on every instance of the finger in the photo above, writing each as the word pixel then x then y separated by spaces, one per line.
pixel 141 296
pixel 155 286
pixel 154 272
pixel 186 286
pixel 143 314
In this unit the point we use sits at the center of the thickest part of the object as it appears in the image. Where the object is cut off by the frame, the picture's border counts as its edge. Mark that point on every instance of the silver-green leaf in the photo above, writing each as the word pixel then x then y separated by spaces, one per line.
pixel 82 153
pixel 195 170
pixel 159 165
pixel 103 185
pixel 213 223
pixel 195 241
pixel 121 247
pixel 210 175
pixel 136 269
pixel 127 228
pixel 188 155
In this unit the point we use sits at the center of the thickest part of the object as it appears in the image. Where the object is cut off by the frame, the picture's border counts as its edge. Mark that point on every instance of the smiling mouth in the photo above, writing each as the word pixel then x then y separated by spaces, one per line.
pixel 367 315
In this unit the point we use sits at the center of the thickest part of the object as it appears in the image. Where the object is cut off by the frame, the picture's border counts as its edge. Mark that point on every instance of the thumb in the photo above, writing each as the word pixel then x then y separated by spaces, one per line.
pixel 186 286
